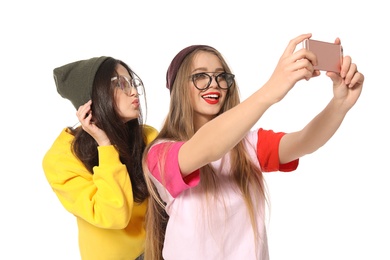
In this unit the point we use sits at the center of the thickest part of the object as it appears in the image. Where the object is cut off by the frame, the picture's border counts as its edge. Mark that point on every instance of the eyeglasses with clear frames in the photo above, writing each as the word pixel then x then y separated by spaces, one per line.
pixel 125 84
pixel 203 80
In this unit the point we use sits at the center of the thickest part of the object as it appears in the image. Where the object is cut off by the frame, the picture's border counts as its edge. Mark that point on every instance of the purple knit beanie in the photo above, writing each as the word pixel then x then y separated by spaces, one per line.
pixel 177 61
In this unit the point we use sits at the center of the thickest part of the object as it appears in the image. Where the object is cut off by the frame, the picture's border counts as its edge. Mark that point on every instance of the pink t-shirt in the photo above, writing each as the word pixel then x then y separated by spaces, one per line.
pixel 213 227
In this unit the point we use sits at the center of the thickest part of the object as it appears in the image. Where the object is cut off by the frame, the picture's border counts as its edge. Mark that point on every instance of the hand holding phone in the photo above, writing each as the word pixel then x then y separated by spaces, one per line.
pixel 329 55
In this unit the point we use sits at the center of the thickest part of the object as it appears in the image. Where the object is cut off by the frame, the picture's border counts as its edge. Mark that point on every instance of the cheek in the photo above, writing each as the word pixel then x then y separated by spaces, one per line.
pixel 120 102
pixel 223 96
pixel 123 104
pixel 194 97
pixel 117 96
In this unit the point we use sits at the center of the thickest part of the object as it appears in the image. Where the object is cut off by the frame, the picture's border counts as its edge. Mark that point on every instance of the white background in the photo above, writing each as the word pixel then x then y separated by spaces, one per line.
pixel 334 206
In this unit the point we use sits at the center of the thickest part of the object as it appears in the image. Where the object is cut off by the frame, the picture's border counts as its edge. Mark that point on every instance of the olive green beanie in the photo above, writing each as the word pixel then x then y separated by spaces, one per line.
pixel 74 80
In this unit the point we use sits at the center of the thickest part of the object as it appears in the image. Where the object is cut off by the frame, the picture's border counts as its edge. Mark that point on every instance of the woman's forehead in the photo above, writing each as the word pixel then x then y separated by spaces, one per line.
pixel 206 61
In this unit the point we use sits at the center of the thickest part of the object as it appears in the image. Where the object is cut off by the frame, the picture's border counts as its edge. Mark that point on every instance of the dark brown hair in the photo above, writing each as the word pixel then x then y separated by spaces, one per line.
pixel 127 137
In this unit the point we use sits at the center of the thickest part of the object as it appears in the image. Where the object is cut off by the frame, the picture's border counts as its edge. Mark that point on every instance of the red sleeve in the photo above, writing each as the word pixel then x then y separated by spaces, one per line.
pixel 268 152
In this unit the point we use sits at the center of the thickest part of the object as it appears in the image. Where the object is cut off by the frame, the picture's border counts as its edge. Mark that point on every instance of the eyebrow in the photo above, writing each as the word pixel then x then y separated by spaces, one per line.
pixel 202 69
pixel 126 76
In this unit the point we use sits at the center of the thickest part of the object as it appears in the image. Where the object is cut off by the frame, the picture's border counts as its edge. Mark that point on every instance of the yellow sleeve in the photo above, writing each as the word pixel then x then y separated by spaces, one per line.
pixel 150 133
pixel 104 199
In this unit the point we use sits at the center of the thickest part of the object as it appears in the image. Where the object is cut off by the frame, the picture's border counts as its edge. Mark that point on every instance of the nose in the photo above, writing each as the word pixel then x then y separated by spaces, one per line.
pixel 213 82
pixel 133 91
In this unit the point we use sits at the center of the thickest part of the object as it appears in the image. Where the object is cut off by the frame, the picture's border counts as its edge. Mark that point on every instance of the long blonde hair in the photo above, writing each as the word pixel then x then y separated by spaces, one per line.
pixel 178 126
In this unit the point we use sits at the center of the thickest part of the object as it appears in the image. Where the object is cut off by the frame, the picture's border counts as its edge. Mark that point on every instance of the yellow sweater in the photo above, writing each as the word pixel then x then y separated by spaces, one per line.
pixel 110 223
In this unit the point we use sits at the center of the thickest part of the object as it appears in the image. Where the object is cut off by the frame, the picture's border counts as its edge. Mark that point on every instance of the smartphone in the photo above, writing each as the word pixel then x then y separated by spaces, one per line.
pixel 329 55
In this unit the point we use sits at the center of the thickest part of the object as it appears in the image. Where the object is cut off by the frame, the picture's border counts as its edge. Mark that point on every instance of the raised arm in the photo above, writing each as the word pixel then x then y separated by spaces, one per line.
pixel 221 134
pixel 346 90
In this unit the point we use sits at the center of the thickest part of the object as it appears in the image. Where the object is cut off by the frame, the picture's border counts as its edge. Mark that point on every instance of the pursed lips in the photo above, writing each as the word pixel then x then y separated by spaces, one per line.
pixel 135 102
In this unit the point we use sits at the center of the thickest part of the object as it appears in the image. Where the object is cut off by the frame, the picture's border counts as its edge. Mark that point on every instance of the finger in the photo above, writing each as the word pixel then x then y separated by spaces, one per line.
pixel 335 77
pixel 294 42
pixel 303 64
pixel 351 72
pixel 84 110
pixel 357 79
pixel 345 66
pixel 87 123
pixel 303 69
pixel 306 54
pixel 87 104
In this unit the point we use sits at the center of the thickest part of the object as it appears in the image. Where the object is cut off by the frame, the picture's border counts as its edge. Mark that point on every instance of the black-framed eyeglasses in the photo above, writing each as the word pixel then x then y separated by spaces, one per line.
pixel 125 84
pixel 203 80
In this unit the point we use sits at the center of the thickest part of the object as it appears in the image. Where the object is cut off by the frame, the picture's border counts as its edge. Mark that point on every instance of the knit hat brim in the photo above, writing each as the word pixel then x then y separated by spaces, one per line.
pixel 176 63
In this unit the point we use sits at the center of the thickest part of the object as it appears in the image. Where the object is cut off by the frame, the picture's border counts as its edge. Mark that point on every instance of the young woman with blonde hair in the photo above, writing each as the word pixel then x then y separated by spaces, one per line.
pixel 204 170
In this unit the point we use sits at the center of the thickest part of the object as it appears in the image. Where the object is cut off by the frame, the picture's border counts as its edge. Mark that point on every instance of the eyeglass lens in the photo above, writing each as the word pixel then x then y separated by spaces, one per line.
pixel 203 80
pixel 126 85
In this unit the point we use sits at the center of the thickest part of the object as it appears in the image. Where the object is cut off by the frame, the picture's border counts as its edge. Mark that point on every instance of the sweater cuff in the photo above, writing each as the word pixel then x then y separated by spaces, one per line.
pixel 108 155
